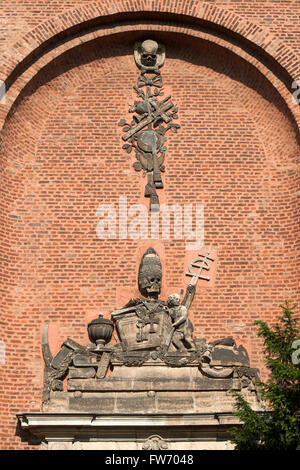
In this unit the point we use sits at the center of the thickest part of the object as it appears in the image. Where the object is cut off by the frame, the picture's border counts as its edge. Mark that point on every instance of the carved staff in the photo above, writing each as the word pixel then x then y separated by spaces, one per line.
pixel 159 112
pixel 191 288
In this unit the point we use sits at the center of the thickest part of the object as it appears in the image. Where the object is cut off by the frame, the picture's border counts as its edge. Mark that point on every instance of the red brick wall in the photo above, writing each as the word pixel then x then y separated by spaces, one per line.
pixel 236 153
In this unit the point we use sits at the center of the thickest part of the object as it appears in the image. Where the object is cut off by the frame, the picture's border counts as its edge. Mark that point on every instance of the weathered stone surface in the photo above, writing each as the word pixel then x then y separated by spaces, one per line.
pixel 60 357
pixel 148 402
pixel 135 401
pixel 184 402
pixel 229 356
pixel 152 383
pixel 82 373
pixel 127 326
pixel 59 402
pixel 97 404
pixel 84 360
pixel 204 401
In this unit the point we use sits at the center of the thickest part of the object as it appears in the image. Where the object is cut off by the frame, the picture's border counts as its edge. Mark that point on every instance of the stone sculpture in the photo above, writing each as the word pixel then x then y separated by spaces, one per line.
pixel 148 329
pixel 182 328
pixel 155 442
pixel 149 56
pixel 152 118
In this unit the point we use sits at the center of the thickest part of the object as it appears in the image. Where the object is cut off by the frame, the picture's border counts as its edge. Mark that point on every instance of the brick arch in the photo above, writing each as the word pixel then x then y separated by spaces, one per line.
pixel 46 41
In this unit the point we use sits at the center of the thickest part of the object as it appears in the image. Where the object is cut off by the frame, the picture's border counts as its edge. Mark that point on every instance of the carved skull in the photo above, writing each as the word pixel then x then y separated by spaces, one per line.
pixel 149 53
pixel 150 284
pixel 150 274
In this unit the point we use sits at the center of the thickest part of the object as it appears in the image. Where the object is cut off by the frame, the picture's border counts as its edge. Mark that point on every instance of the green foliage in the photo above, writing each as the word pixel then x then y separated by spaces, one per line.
pixel 279 429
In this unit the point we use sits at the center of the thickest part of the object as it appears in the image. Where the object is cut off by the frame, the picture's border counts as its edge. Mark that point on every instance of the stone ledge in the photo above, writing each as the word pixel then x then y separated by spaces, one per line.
pixel 73 426
pixel 33 419
pixel 73 431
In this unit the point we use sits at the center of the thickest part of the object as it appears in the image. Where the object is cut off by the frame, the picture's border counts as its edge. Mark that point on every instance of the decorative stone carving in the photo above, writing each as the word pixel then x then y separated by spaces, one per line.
pixel 182 328
pixel 150 274
pixel 149 54
pixel 200 263
pixel 152 118
pixel 155 442
pixel 150 332
pixel 100 331
pixel 57 368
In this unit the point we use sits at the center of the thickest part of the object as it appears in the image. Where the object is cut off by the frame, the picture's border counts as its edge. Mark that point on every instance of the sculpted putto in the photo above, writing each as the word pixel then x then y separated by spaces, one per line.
pixel 183 328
